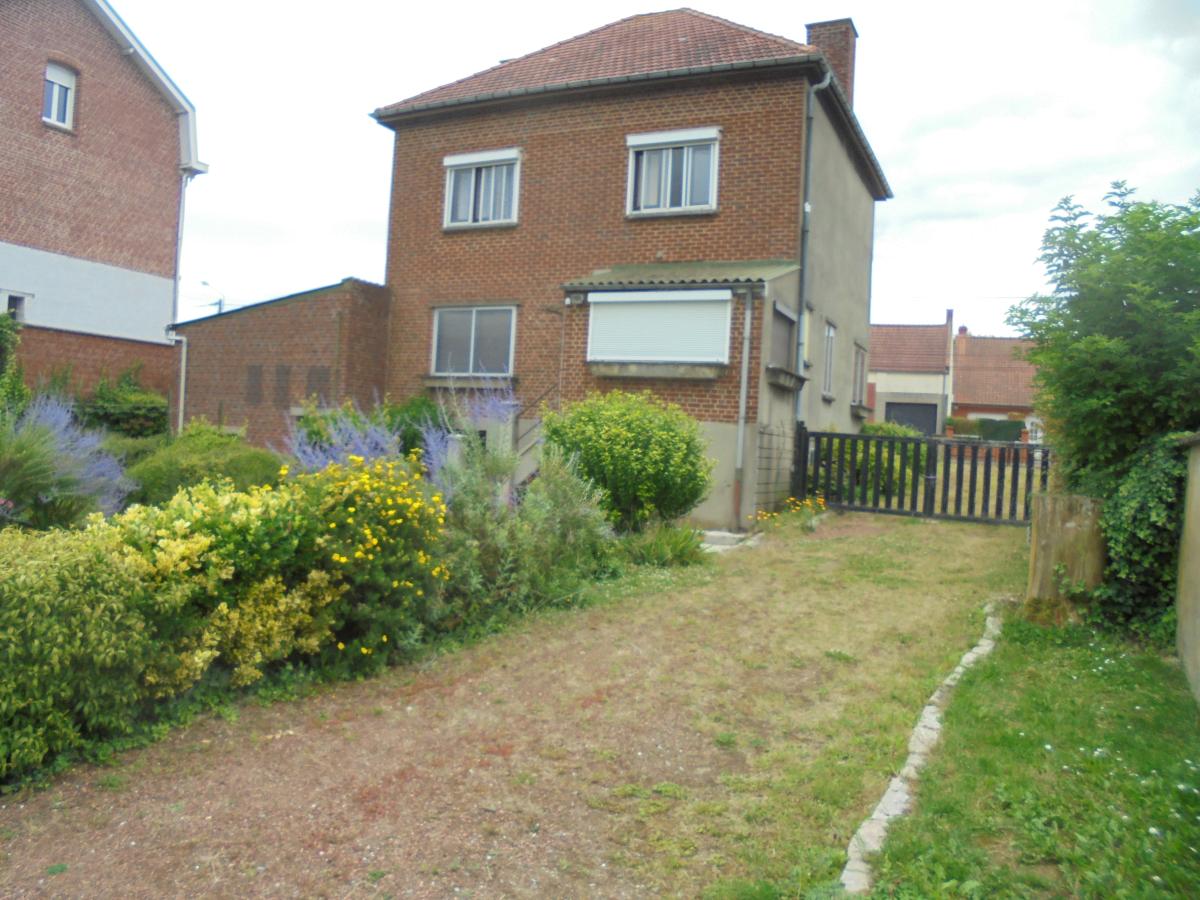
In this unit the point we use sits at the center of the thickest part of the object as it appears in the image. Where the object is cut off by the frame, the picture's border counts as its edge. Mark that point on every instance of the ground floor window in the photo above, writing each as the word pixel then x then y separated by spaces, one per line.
pixel 474 340
pixel 659 326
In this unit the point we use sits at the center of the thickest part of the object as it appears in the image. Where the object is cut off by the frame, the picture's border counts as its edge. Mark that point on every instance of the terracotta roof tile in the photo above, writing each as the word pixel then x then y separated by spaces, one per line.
pixel 638 45
pixel 909 348
pixel 989 371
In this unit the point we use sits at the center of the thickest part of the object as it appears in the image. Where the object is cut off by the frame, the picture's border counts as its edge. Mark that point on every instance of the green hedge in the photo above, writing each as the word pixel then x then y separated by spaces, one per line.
pixel 201 452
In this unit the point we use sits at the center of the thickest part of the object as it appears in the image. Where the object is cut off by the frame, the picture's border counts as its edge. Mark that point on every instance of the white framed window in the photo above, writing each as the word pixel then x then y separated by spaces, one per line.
pixel 58 96
pixel 659 326
pixel 482 188
pixel 673 171
pixel 14 304
pixel 474 340
pixel 830 347
pixel 859 395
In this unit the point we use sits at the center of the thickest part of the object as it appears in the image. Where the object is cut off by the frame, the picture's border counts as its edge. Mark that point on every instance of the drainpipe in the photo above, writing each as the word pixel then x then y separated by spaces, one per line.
pixel 805 215
pixel 739 474
pixel 182 380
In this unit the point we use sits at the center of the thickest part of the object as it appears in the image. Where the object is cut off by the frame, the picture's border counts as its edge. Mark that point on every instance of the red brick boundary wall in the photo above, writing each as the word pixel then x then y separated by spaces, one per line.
pixel 87 358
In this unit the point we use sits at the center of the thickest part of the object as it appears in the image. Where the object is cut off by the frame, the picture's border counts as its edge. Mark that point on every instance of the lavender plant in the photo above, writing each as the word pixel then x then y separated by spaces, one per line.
pixel 52 471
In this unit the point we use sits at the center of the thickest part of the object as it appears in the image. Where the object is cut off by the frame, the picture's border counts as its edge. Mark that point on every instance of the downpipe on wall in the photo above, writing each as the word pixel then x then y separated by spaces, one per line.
pixel 739 469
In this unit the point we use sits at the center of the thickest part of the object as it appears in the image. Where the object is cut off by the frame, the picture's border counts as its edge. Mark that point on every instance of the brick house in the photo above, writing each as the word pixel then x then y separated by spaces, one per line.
pixel 99 146
pixel 910 374
pixel 922 374
pixel 671 202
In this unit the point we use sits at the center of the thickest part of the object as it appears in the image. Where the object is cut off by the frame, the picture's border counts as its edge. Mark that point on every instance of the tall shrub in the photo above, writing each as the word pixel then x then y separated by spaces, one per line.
pixel 644 454
pixel 201 452
pixel 14 395
pixel 126 407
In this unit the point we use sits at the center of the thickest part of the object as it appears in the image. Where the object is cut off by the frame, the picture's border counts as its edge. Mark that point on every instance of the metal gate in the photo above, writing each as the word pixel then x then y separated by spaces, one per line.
pixel 940 478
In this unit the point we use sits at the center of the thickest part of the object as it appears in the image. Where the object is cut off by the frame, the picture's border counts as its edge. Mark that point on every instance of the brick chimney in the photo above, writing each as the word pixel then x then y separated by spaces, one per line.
pixel 836 39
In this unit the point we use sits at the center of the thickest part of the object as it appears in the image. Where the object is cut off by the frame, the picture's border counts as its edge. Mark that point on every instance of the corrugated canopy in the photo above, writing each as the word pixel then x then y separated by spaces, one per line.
pixel 683 274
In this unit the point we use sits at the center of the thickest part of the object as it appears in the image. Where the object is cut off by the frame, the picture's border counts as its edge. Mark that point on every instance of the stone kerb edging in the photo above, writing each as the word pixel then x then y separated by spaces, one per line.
pixel 897 799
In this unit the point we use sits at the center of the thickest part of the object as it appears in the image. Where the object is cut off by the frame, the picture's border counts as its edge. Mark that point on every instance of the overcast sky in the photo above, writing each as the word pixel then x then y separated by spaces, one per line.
pixel 983 116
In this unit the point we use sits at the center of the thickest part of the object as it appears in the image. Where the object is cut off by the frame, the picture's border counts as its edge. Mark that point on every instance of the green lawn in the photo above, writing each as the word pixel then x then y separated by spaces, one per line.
pixel 1069 766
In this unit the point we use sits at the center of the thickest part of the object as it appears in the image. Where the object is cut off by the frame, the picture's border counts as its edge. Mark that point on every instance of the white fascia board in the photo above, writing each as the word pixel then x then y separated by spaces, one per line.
pixel 131 46
pixel 511 154
pixel 682 136
pixel 658 296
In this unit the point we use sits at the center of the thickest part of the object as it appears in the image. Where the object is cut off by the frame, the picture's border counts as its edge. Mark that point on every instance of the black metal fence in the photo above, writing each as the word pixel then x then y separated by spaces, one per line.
pixel 941 478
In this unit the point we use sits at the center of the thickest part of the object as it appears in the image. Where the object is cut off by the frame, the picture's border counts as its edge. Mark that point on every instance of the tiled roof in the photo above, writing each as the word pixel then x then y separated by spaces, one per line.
pixel 989 371
pixel 909 348
pixel 684 273
pixel 641 45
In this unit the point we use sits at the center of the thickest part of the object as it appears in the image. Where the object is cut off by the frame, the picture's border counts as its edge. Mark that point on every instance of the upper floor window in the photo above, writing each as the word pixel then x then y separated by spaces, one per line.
pixel 58 96
pixel 473 340
pixel 859 395
pixel 830 349
pixel 482 188
pixel 673 171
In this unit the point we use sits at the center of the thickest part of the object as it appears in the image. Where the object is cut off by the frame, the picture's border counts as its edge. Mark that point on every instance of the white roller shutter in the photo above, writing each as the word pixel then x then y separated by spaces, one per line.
pixel 660 326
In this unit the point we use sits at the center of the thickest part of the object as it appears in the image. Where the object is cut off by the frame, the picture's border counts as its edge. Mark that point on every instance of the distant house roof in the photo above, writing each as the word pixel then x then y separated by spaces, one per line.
pixel 112 23
pixel 990 371
pixel 670 44
pixel 684 274
pixel 910 348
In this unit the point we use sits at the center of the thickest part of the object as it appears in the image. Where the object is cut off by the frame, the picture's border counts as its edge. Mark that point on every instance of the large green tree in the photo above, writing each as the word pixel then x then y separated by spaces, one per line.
pixel 1117 342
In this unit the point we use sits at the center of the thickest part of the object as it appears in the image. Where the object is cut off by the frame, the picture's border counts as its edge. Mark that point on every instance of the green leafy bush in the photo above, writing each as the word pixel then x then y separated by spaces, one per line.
pixel 73 618
pixel 963 426
pixel 645 455
pixel 132 450
pixel 125 407
pixel 14 395
pixel 664 545
pixel 1001 429
pixel 1142 523
pixel 201 452
pixel 506 556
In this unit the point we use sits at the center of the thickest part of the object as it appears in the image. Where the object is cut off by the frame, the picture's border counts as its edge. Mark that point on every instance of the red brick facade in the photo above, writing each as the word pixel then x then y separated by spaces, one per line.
pixel 109 189
pixel 45 353
pixel 250 367
pixel 572 220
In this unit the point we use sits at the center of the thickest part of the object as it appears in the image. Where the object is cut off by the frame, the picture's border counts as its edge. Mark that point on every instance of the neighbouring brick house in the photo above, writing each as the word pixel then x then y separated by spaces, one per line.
pixel 922 374
pixel 98 147
pixel 993 380
pixel 910 374
pixel 671 202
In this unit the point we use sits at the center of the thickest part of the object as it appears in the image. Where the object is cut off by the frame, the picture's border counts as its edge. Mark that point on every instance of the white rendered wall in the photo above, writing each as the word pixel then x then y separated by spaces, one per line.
pixel 78 295
pixel 907 382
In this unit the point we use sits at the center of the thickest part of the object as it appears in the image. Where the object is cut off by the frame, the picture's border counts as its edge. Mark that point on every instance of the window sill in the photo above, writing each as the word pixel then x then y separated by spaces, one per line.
pixel 678 371
pixel 785 378
pixel 469 382
pixel 58 126
pixel 476 226
pixel 670 213
pixel 828 398
pixel 861 411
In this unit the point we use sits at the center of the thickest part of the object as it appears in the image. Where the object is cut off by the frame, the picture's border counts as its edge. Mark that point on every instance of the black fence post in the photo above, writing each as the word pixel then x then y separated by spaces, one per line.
pixel 931 462
pixel 800 463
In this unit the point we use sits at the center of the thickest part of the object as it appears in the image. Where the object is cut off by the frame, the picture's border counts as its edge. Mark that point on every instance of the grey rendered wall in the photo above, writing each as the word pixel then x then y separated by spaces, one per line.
pixel 840 249
pixel 770 457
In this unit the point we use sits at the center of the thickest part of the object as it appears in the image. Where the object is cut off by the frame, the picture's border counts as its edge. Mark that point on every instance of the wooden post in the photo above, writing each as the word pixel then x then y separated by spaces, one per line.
pixel 1066 533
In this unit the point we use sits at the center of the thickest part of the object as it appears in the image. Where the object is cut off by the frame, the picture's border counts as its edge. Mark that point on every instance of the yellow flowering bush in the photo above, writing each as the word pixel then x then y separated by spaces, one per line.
pixel 380 523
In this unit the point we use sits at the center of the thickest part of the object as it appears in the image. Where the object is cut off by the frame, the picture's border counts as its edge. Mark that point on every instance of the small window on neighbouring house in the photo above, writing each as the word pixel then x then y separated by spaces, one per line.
pixel 254 385
pixel 659 326
pixel 482 188
pixel 783 341
pixel 859 396
pixel 58 96
pixel 672 171
pixel 283 386
pixel 317 384
pixel 16 306
pixel 473 340
pixel 830 347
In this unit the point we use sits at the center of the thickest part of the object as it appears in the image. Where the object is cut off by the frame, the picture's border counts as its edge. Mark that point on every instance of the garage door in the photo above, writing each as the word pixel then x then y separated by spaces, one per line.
pixel 922 416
